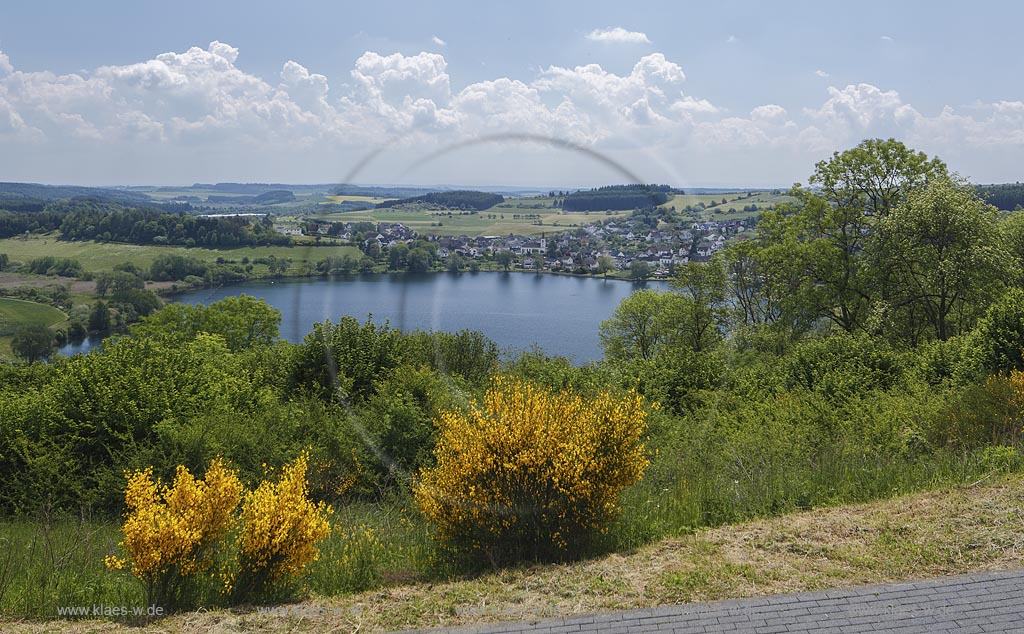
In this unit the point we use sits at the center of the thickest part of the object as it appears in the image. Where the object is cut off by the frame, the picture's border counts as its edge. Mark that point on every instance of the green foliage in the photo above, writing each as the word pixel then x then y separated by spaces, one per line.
pixel 87 220
pixel 636 330
pixel 420 260
pixel 117 282
pixel 67 442
pixel 1008 196
pixel 842 366
pixel 342 361
pixel 998 340
pixel 558 373
pixel 33 342
pixel 168 266
pixel 945 256
pixel 617 197
pixel 681 380
pixel 459 199
pixel 242 321
pixel 99 317
pixel 134 304
pixel 467 354
pixel 639 270
pixel 49 265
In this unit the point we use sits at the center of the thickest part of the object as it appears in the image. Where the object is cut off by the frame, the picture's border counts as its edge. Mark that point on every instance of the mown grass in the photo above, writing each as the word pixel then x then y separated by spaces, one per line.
pixel 16 312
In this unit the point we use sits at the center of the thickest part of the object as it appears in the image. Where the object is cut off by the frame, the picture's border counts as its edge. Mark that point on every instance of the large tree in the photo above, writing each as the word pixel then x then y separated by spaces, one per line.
pixel 33 342
pixel 700 310
pixel 945 255
pixel 637 328
pixel 504 258
pixel 851 193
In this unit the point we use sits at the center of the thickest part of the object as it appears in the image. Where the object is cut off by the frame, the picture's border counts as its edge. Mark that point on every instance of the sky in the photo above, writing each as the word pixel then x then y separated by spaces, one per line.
pixel 546 94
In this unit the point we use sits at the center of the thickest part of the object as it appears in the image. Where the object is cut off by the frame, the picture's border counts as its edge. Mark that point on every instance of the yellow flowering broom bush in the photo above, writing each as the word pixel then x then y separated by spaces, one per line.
pixel 280 530
pixel 171 533
pixel 531 472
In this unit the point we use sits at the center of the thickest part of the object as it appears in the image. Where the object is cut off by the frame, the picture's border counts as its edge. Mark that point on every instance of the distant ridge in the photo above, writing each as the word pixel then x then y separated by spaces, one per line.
pixel 36 191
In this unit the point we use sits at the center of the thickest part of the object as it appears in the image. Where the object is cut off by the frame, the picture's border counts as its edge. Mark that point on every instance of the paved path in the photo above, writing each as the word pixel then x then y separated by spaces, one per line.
pixel 983 602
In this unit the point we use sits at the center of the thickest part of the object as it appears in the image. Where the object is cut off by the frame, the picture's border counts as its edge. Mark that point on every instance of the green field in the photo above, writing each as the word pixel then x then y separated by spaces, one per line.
pixel 101 256
pixel 502 218
pixel 16 312
pixel 498 220
pixel 735 201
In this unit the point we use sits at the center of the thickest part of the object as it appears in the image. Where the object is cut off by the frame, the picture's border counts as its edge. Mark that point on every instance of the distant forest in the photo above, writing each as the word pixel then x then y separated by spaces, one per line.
pixel 1008 197
pixel 90 219
pixel 459 199
pixel 271 197
pixel 618 197
pixel 35 193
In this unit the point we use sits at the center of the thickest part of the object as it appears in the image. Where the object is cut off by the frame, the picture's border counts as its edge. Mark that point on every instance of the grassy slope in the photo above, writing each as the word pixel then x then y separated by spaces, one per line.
pixel 15 312
pixel 949 531
pixel 734 201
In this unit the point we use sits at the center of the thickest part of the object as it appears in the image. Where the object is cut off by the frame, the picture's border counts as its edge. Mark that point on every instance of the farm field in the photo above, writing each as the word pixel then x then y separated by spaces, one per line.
pixel 15 312
pixel 498 220
pixel 734 201
pixel 100 256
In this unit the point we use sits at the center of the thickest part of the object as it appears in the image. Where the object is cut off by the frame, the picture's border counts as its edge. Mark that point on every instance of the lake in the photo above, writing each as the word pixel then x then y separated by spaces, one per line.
pixel 561 314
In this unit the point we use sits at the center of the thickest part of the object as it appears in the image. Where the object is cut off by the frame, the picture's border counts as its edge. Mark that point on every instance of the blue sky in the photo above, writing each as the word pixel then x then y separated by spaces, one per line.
pixel 712 94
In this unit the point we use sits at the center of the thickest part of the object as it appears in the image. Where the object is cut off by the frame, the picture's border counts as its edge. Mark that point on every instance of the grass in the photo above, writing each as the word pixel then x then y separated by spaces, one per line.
pixel 957 529
pixel 17 312
pixel 45 564
pixel 735 201
pixel 102 256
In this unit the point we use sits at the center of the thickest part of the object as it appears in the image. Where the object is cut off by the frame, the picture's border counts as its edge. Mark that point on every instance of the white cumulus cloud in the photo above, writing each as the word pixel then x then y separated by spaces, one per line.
pixel 618 35
pixel 200 105
pixel 438 41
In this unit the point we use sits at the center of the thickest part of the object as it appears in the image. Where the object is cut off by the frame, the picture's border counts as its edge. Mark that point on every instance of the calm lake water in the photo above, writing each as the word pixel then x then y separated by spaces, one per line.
pixel 560 314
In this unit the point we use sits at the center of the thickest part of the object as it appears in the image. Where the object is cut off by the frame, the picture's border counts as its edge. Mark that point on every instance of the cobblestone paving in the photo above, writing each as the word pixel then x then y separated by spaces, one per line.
pixel 982 602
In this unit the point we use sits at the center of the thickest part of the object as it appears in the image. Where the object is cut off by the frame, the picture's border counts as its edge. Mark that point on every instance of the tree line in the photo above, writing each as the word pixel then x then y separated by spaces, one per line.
pixel 109 222
pixel 458 199
pixel 617 197
pixel 1008 196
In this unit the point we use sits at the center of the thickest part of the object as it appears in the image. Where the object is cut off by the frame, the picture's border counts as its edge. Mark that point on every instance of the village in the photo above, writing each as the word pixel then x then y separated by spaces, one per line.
pixel 632 244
